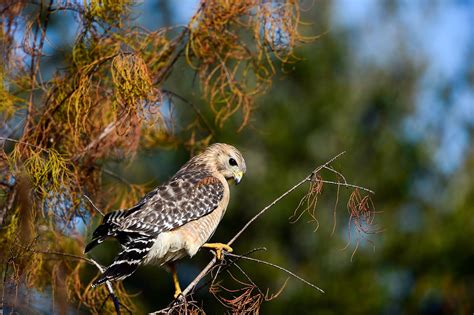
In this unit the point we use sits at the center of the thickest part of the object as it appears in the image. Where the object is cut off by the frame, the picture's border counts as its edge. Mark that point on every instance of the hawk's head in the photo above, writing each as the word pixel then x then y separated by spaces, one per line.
pixel 227 160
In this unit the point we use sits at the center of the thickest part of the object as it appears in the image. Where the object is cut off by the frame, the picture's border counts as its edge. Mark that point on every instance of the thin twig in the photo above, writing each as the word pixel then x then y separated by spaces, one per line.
pixel 107 130
pixel 211 264
pixel 346 185
pixel 60 254
pixel 198 278
pixel 308 178
pixel 93 205
pixel 247 276
pixel 329 168
pixel 109 287
pixel 91 261
pixel 194 107
pixel 279 268
pixel 286 193
pixel 223 267
pixel 116 176
pixel 23 142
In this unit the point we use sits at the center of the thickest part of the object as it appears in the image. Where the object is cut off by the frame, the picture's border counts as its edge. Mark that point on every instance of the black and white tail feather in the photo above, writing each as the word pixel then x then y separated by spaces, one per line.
pixel 135 246
pixel 189 195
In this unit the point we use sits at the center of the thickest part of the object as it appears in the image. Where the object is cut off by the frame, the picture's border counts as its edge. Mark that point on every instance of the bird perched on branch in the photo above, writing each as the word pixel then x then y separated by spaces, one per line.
pixel 176 219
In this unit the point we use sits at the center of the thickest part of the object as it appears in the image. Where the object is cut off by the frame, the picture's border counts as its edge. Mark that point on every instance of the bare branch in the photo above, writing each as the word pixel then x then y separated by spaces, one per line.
pixel 279 268
pixel 91 261
pixel 116 176
pixel 246 275
pixel 93 205
pixel 286 193
pixel 211 264
pixel 194 107
pixel 198 278
pixel 347 185
pixel 107 130
pixel 23 142
pixel 109 287
pixel 336 172
pixel 224 266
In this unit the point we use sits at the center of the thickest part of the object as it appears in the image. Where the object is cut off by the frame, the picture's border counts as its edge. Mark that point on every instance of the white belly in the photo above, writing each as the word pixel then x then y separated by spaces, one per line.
pixel 183 241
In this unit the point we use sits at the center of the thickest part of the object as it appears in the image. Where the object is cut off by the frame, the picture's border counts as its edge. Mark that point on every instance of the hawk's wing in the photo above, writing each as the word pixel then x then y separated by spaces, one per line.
pixel 188 196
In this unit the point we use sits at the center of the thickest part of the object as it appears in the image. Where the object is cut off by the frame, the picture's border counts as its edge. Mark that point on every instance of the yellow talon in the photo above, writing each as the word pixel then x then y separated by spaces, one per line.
pixel 177 287
pixel 218 247
pixel 177 293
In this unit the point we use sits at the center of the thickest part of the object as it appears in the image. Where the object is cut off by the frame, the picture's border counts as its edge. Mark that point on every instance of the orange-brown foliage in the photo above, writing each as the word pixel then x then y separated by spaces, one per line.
pixel 106 103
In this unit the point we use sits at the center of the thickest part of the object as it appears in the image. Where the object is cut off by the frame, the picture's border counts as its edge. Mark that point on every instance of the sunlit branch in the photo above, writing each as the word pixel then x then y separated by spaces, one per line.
pixel 211 264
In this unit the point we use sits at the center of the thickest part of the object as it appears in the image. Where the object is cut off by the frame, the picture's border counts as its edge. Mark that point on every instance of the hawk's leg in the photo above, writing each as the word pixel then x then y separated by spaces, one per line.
pixel 177 287
pixel 218 247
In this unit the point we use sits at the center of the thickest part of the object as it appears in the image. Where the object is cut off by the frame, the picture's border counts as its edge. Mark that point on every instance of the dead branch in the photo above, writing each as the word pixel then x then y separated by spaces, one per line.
pixel 279 268
pixel 314 179
pixel 94 206
pixel 107 130
pixel 286 193
pixel 211 264
pixel 116 176
pixel 194 107
pixel 224 266
pixel 347 185
pixel 109 286
pixel 24 143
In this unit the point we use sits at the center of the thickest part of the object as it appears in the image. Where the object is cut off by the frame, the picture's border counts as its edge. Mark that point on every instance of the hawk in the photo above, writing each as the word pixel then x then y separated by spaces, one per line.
pixel 175 219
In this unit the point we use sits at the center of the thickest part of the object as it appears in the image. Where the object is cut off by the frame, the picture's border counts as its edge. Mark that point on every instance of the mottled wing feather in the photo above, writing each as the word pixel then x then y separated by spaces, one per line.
pixel 186 197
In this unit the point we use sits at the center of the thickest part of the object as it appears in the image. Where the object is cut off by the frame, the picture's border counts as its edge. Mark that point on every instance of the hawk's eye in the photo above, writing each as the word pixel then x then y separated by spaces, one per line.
pixel 232 162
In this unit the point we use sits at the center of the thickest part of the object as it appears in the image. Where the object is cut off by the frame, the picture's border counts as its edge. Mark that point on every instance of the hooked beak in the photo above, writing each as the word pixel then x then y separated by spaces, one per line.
pixel 238 177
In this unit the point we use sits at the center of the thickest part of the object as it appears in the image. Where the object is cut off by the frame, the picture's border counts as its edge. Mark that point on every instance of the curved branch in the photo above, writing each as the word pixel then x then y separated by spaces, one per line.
pixel 214 260
pixel 279 268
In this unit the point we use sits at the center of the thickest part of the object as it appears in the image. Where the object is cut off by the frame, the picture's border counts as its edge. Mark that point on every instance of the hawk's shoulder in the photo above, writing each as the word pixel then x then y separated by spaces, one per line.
pixel 187 196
